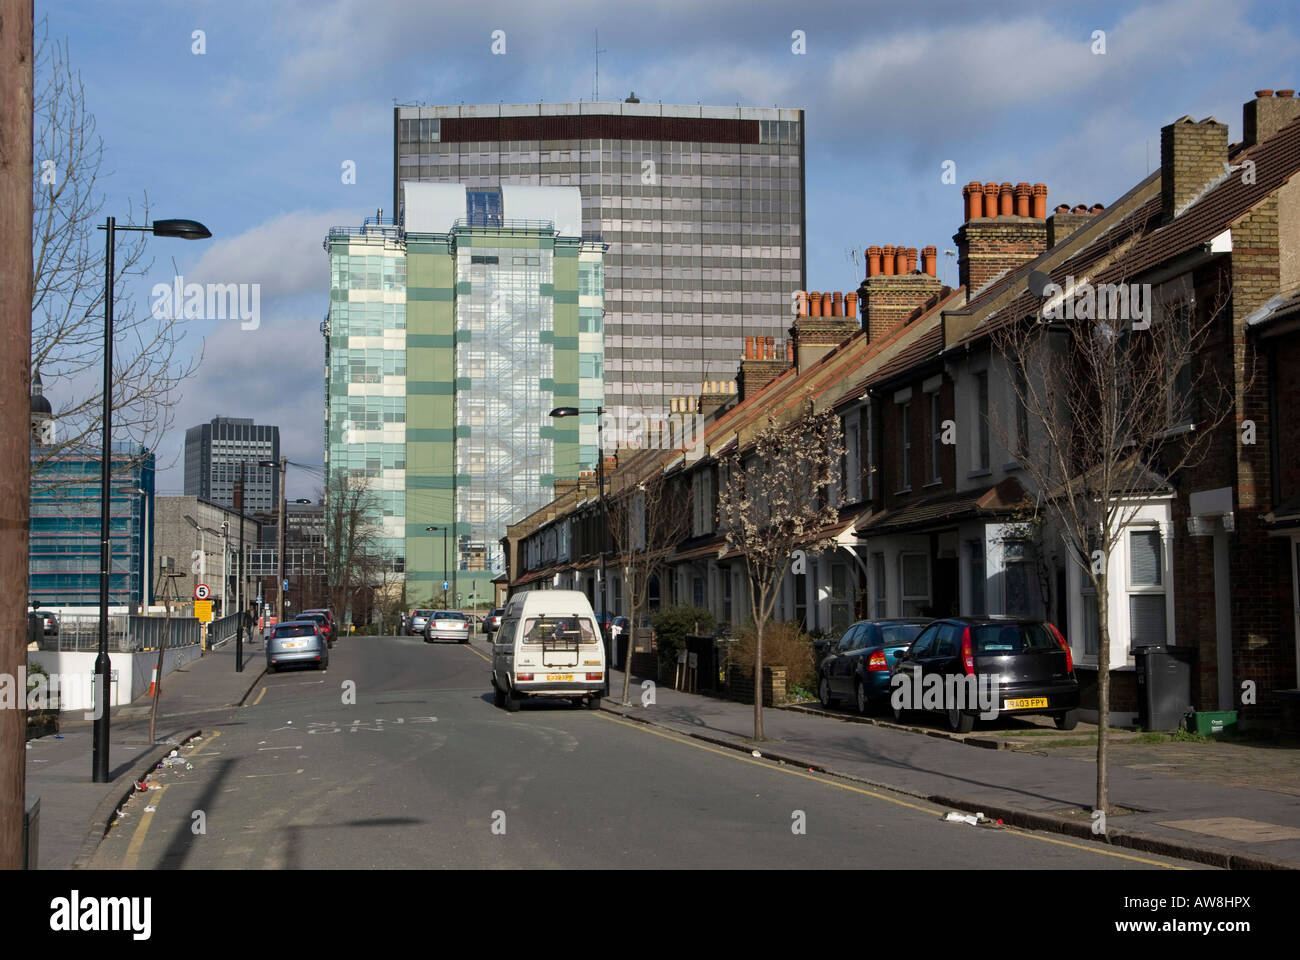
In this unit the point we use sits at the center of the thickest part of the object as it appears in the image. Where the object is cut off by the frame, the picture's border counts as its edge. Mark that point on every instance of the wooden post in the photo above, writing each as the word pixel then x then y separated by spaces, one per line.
pixel 15 411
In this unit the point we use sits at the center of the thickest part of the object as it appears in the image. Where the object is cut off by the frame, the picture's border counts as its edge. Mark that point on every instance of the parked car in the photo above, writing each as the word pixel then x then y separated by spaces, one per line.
pixel 325 622
pixel 492 622
pixel 418 621
pixel 618 626
pixel 857 668
pixel 297 643
pixel 1026 663
pixel 548 646
pixel 446 625
pixel 329 616
pixel 49 623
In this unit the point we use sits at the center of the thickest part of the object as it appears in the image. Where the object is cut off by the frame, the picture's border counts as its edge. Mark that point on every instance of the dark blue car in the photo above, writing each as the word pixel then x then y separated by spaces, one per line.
pixel 858 667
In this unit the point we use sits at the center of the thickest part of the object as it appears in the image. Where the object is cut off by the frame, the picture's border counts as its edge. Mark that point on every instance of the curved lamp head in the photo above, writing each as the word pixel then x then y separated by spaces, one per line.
pixel 564 412
pixel 185 229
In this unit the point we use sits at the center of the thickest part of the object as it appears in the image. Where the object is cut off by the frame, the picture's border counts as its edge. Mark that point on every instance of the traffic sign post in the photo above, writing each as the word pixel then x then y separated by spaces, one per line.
pixel 201 591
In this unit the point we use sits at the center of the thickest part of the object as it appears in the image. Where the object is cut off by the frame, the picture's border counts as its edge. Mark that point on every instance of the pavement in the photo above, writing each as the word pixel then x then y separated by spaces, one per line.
pixel 75 812
pixel 1231 805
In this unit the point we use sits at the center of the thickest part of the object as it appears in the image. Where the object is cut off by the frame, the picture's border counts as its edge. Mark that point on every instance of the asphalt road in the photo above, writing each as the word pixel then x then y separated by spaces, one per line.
pixel 422 771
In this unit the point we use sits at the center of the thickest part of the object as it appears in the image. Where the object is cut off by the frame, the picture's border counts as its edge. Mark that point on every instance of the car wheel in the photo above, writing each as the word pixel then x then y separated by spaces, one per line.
pixel 824 691
pixel 498 698
pixel 512 701
pixel 901 715
pixel 593 702
pixel 959 721
pixel 1066 721
pixel 464 639
pixel 864 702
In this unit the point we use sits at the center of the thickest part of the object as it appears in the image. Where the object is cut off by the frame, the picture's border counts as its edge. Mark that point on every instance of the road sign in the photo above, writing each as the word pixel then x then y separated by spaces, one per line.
pixel 203 610
pixel 446 585
pixel 201 591
pixel 286 585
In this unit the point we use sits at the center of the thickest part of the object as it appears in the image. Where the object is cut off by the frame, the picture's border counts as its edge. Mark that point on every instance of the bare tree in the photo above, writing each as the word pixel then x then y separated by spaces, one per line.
pixel 1110 404
pixel 773 499
pixel 68 283
pixel 647 522
pixel 354 563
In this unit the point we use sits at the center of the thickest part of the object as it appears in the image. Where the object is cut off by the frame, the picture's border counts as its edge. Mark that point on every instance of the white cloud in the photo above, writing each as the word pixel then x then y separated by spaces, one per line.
pixel 283 254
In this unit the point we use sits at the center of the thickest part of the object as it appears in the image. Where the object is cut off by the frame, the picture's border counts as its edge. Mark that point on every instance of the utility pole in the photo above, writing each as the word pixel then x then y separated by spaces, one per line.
pixel 15 373
pixel 239 583
pixel 280 568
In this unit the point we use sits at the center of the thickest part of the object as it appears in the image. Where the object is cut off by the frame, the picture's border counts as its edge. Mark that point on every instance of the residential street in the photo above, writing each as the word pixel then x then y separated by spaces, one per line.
pixel 418 771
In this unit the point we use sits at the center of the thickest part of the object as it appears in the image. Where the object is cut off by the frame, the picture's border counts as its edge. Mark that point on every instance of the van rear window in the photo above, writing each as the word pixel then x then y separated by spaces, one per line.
pixel 545 629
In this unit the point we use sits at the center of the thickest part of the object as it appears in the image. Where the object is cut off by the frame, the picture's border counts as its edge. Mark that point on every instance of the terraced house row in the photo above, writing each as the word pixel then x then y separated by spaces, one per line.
pixel 934 490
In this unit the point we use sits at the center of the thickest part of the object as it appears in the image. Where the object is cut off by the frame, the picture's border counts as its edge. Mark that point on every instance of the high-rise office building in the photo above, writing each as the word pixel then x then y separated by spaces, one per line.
pixel 213 454
pixel 702 209
pixel 450 339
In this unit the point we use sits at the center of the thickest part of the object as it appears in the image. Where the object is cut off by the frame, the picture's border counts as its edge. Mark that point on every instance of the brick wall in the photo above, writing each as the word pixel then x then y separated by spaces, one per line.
pixel 740 686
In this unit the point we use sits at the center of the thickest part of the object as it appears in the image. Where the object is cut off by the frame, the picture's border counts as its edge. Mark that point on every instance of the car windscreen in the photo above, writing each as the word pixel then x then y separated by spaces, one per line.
pixel 497 612
pixel 539 629
pixel 1009 639
pixel 896 633
pixel 448 615
pixel 295 630
pixel 422 613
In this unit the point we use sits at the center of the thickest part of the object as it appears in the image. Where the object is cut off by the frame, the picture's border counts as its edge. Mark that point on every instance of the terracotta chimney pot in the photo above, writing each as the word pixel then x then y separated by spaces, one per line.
pixel 749 348
pixel 850 305
pixel 1263 93
pixel 789 351
pixel 973 194
pixel 887 262
pixel 1285 93
pixel 814 304
pixel 1081 208
pixel 837 304
pixel 900 260
pixel 873 261
pixel 1062 208
pixel 990 199
pixel 930 259
pixel 1023 192
pixel 826 304
pixel 1097 208
pixel 1040 201
pixel 1006 200
pixel 803 303
pixel 769 353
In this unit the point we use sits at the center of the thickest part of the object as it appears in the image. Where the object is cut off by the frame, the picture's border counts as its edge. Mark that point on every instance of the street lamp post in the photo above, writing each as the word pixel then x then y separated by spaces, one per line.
pixel 186 230
pixel 604 510
pixel 446 577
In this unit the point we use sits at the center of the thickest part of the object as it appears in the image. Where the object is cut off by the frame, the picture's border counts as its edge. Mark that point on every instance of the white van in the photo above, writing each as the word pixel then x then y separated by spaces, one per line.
pixel 548 645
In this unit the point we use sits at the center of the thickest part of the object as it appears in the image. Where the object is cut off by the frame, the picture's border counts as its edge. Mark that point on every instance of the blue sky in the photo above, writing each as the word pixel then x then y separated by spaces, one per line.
pixel 249 137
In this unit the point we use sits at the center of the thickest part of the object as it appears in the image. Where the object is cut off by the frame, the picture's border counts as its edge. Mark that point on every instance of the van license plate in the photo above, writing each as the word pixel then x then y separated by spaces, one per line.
pixel 1027 703
pixel 559 677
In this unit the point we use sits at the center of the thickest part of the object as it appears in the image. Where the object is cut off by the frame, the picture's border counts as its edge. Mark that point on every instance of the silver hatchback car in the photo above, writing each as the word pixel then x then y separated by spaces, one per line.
pixel 297 643
pixel 447 625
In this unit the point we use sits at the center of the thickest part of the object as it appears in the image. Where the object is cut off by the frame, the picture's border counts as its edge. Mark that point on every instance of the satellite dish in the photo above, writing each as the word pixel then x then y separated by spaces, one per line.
pixel 1038 282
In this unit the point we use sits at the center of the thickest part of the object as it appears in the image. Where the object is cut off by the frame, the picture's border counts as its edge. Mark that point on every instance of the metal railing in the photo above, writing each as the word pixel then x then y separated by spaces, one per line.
pixel 126 634
pixel 219 631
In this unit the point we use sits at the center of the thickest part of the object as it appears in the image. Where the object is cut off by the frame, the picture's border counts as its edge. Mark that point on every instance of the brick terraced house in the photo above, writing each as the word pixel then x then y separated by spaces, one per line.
pixel 932 495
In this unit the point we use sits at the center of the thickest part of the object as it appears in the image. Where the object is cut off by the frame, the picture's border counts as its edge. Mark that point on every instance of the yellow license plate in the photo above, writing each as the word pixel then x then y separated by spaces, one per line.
pixel 559 677
pixel 1028 703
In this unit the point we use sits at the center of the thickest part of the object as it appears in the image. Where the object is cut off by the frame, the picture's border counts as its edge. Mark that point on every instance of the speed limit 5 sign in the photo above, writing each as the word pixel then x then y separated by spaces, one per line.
pixel 201 591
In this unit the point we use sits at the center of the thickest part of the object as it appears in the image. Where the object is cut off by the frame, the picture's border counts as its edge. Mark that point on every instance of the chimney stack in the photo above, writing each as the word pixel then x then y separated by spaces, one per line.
pixel 1012 230
pixel 811 338
pixel 1192 156
pixel 761 367
pixel 716 396
pixel 1065 221
pixel 1268 113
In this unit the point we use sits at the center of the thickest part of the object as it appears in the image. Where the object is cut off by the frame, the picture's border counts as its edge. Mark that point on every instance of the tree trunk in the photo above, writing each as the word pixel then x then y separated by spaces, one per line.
pixel 157 686
pixel 631 646
pixel 1103 694
pixel 758 679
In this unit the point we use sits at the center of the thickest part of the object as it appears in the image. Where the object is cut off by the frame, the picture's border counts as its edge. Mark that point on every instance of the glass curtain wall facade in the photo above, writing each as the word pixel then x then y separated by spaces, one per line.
pixel 63 566
pixel 444 403
pixel 365 373
pixel 702 209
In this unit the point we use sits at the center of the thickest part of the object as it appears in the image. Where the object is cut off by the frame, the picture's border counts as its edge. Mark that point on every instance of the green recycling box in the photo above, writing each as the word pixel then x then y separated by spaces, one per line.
pixel 1210 722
